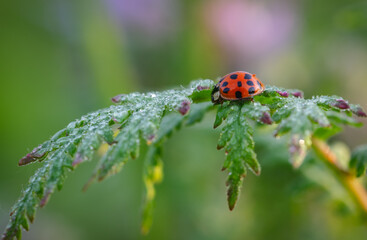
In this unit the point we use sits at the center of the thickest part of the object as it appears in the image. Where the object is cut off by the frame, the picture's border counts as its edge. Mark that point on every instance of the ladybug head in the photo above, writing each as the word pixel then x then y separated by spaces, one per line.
pixel 216 98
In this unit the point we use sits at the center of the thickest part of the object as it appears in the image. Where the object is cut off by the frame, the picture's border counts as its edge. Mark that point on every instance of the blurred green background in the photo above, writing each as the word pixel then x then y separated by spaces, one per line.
pixel 61 59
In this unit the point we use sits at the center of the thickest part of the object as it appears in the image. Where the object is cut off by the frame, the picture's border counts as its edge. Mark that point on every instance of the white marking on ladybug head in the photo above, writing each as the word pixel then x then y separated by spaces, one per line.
pixel 216 95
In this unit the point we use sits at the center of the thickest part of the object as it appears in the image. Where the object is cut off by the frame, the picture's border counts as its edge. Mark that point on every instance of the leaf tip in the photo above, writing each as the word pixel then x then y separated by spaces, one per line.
pixel 266 119
pixel 342 104
pixel 231 197
pixel 200 87
pixel 150 139
pixel 90 181
pixel 283 93
pixel 31 218
pixel 360 113
pixel 32 156
pixel 45 198
pixel 257 172
pixel 185 107
pixel 298 94
pixel 26 159
pixel 78 159
pixel 297 151
pixel 117 98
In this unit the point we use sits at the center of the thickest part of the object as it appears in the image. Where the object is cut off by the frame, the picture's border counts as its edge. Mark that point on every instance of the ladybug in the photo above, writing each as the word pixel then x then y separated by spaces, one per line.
pixel 237 86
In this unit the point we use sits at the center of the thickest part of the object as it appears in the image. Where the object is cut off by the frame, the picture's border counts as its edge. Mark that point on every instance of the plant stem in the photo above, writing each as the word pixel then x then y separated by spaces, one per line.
pixel 350 182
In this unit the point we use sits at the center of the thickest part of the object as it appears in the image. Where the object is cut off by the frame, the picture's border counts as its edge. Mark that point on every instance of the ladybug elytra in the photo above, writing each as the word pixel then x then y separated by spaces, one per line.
pixel 237 86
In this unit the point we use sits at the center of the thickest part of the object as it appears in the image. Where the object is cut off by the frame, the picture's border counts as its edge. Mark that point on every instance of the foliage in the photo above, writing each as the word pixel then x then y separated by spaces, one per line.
pixel 359 160
pixel 152 117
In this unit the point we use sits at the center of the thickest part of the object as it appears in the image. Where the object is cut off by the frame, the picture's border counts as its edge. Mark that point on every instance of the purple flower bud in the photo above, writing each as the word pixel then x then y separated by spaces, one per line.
pixel 32 156
pixel 283 94
pixel 360 113
pixel 185 107
pixel 342 104
pixel 298 94
pixel 117 99
pixel 200 88
pixel 266 118
pixel 26 159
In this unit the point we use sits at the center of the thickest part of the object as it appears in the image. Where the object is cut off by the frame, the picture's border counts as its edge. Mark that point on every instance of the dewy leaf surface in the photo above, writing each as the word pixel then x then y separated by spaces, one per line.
pixel 302 118
pixel 149 118
pixel 236 139
pixel 136 117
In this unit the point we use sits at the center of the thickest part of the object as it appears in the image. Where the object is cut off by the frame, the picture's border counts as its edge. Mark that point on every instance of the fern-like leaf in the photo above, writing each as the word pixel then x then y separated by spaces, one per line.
pixel 301 118
pixel 152 117
pixel 137 116
pixel 321 116
pixel 236 139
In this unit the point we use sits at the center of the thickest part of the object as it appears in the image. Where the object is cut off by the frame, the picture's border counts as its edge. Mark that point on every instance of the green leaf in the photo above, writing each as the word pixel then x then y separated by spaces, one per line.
pixel 236 139
pixel 358 161
pixel 202 91
pixel 257 112
pixel 137 116
pixel 222 113
pixel 150 118
pixel 303 118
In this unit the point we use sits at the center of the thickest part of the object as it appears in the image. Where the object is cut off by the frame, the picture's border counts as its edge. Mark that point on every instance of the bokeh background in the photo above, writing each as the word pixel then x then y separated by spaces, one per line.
pixel 60 59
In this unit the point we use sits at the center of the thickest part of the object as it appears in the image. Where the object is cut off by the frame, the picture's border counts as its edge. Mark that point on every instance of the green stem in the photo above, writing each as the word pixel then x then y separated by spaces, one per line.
pixel 350 182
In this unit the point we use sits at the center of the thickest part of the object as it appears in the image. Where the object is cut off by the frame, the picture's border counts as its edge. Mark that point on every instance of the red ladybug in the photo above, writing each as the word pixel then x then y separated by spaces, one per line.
pixel 237 86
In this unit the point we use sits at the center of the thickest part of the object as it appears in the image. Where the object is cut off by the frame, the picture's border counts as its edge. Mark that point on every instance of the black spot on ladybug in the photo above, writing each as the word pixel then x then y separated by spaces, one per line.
pixel 248 76
pixel 251 90
pixel 226 90
pixel 250 83
pixel 238 94
pixel 234 76
pixel 239 84
pixel 224 84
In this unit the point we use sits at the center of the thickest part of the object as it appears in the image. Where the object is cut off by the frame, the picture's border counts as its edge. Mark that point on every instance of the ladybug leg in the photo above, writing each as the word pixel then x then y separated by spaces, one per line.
pixel 244 100
pixel 220 101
